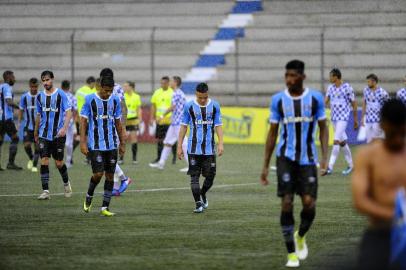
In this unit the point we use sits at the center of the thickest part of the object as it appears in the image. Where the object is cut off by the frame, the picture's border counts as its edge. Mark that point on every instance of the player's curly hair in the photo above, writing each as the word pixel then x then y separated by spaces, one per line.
pixel 394 112
pixel 107 81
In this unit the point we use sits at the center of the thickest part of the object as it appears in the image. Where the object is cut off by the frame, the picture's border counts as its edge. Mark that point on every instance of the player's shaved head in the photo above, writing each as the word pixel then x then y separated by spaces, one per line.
pixel 297 65
pixel 393 123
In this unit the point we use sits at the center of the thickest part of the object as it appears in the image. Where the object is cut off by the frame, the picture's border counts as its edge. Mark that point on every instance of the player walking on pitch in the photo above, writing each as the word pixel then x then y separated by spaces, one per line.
pixel 101 117
pixel 203 116
pixel 401 93
pixel 297 110
pixel 53 118
pixel 341 97
pixel 70 133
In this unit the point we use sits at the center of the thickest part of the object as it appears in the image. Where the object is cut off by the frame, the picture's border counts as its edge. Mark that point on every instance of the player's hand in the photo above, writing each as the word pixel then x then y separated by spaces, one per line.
pixel 264 177
pixel 179 152
pixel 220 149
pixel 356 124
pixel 61 133
pixel 84 149
pixel 121 149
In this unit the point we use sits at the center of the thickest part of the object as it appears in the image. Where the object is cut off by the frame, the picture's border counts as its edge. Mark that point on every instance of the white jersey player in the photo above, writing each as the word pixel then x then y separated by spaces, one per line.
pixel 401 93
pixel 71 131
pixel 373 100
pixel 341 98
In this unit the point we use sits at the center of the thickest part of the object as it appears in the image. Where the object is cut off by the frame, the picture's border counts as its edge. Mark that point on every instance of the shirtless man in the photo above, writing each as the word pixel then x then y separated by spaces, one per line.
pixel 380 173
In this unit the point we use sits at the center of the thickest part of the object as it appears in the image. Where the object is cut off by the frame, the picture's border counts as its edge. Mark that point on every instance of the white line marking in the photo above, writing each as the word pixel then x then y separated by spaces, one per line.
pixel 134 190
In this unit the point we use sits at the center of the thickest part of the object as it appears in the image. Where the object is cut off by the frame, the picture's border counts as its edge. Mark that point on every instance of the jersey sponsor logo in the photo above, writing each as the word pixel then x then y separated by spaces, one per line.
pixel 45 109
pixel 205 122
pixel 103 117
pixel 298 119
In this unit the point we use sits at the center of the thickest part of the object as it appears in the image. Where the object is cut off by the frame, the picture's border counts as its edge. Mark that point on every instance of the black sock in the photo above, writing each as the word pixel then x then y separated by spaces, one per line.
pixel 108 188
pixel 287 223
pixel 12 152
pixel 44 171
pixel 92 186
pixel 134 149
pixel 28 150
pixel 174 154
pixel 195 186
pixel 64 173
pixel 36 156
pixel 160 147
pixel 307 217
pixel 207 184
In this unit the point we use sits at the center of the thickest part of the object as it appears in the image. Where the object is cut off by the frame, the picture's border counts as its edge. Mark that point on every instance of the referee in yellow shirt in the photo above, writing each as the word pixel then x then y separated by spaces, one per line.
pixel 160 103
pixel 134 116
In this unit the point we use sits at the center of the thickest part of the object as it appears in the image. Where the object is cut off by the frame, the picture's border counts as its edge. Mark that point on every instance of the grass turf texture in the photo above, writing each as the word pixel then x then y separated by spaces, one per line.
pixel 157 229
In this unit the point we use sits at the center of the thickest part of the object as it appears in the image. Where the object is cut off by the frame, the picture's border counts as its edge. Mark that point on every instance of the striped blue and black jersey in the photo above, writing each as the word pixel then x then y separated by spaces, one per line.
pixel 29 108
pixel 298 117
pixel 202 120
pixel 6 111
pixel 101 115
pixel 52 109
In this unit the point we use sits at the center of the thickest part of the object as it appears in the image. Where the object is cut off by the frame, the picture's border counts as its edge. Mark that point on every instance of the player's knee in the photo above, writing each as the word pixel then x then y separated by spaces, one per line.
pixel 308 202
pixel 27 144
pixel 109 176
pixel 59 163
pixel 194 179
pixel 287 203
pixel 98 176
pixel 14 139
pixel 45 161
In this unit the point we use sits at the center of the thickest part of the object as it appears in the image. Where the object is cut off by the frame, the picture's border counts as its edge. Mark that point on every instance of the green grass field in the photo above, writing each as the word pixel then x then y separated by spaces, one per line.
pixel 156 229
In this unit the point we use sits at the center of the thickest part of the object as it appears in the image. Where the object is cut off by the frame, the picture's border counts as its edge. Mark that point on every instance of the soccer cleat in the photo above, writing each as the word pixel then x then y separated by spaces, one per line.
pixel 135 162
pixel 124 185
pixel 44 195
pixel 12 166
pixel 29 165
pixel 300 246
pixel 34 169
pixel 205 203
pixel 347 171
pixel 68 190
pixel 87 206
pixel 199 208
pixel 329 171
pixel 106 213
pixel 293 260
pixel 115 193
pixel 157 165
pixel 186 169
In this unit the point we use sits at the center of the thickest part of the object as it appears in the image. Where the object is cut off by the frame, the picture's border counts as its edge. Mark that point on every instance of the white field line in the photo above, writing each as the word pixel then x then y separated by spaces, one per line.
pixel 134 190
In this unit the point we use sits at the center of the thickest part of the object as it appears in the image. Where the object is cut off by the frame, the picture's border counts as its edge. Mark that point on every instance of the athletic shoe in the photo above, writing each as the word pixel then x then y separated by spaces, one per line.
pixel 293 260
pixel 329 171
pixel 157 165
pixel 300 246
pixel 124 185
pixel 68 165
pixel 205 203
pixel 347 171
pixel 115 193
pixel 12 166
pixel 135 162
pixel 120 161
pixel 106 213
pixel 34 169
pixel 44 195
pixel 29 165
pixel 68 190
pixel 186 169
pixel 86 206
pixel 199 208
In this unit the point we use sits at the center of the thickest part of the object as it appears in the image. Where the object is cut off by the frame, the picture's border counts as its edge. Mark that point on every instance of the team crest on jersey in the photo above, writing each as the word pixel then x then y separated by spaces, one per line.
pixel 112 161
pixel 99 158
pixel 286 177
pixel 41 145
pixel 213 165
pixel 193 162
pixel 312 179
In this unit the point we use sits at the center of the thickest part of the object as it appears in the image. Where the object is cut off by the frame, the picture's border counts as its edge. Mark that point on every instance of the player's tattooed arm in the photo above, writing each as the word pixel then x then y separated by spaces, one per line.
pixel 36 128
pixel 83 138
pixel 323 137
pixel 182 134
pixel 121 136
pixel 220 145
pixel 269 148
pixel 361 185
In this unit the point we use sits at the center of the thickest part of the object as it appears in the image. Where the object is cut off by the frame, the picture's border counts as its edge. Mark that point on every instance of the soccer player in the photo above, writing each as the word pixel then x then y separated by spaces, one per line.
pixel 7 125
pixel 28 111
pixel 298 110
pixel 401 93
pixel 100 116
pixel 172 135
pixel 203 116
pixel 134 116
pixel 374 97
pixel 121 181
pixel 51 124
pixel 160 103
pixel 70 133
pixel 341 97
pixel 380 173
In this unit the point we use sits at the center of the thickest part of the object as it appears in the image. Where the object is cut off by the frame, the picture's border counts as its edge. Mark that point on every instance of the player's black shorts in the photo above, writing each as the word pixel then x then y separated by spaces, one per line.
pixel 54 148
pixel 202 164
pixel 294 178
pixel 103 161
pixel 161 131
pixel 132 128
pixel 28 135
pixel 7 127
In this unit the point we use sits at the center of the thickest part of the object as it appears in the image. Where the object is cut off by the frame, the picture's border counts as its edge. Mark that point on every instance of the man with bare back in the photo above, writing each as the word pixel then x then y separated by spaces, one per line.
pixel 380 174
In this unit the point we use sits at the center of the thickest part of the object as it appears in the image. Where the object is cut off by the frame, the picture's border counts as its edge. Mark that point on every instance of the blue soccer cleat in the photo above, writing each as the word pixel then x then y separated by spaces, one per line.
pixel 124 185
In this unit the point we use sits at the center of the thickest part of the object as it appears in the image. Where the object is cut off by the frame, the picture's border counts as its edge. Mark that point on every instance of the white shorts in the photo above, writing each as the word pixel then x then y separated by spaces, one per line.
pixel 339 130
pixel 172 135
pixel 374 131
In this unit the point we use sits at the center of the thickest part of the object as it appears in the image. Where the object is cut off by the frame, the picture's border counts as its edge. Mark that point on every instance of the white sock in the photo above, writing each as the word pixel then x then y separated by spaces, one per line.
pixel 347 155
pixel 334 154
pixel 165 154
pixel 184 147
